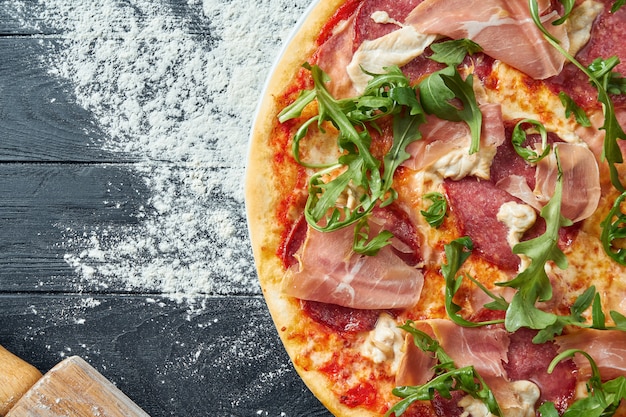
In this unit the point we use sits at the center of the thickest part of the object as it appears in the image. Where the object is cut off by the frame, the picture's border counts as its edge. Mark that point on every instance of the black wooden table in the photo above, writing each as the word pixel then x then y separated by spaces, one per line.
pixel 216 354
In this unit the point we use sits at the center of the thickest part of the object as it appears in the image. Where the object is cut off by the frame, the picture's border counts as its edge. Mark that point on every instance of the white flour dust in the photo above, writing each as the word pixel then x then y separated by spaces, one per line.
pixel 179 101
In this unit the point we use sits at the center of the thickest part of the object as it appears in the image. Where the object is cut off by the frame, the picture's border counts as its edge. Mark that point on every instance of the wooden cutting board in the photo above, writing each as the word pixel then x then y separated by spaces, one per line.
pixel 71 388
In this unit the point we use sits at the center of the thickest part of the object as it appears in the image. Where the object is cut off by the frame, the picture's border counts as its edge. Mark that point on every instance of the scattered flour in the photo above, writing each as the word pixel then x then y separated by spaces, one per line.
pixel 178 100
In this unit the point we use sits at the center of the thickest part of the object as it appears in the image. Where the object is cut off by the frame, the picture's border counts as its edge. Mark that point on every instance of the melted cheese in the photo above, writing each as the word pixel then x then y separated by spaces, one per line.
pixel 384 343
pixel 525 394
pixel 458 163
pixel 579 24
pixel 518 218
pixel 397 48
pixel 521 101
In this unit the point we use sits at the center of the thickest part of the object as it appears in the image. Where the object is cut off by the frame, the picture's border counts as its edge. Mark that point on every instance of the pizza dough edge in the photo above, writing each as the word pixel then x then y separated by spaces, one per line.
pixel 261 201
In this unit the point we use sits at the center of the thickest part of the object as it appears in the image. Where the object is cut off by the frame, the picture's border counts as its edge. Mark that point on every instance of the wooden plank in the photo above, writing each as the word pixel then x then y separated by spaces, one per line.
pixel 221 357
pixel 51 210
pixel 25 17
pixel 39 119
pixel 41 201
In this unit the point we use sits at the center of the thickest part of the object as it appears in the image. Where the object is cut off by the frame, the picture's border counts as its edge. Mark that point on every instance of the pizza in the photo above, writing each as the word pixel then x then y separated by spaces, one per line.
pixel 435 199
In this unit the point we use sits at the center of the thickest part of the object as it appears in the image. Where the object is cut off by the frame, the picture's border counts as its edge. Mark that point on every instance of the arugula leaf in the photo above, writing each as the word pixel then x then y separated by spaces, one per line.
pixel 457 253
pixel 436 213
pixel 469 113
pixel 356 175
pixel 575 318
pixel 519 137
pixel 447 378
pixel 446 95
pixel 572 108
pixel 362 242
pixel 589 298
pixel 533 284
pixel 614 231
pixel 617 5
pixel 405 131
pixel 295 109
pixel 599 75
pixel 453 52
pixel 439 91
pixel 568 6
pixel 436 97
pixel 603 398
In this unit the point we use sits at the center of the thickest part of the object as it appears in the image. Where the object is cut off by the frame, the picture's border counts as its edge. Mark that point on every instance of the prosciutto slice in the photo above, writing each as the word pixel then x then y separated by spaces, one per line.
pixel 330 272
pixel 606 347
pixel 581 182
pixel 485 348
pixel 442 139
pixel 488 22
pixel 334 56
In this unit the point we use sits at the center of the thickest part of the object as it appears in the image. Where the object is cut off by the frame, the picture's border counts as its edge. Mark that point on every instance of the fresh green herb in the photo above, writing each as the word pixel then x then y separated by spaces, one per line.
pixel 532 283
pixel 602 69
pixel 614 230
pixel 617 5
pixel 453 52
pixel 362 242
pixel 447 378
pixel 445 94
pixel 357 176
pixel 436 212
pixel 438 92
pixel 600 75
pixel 568 6
pixel 519 137
pixel 603 397
pixel 457 253
pixel 571 108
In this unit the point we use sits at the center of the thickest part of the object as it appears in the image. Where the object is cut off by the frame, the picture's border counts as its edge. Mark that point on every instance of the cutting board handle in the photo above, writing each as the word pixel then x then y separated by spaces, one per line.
pixel 16 377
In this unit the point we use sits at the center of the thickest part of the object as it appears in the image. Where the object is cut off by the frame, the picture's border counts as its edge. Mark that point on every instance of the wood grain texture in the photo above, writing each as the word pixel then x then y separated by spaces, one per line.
pixel 40 120
pixel 41 201
pixel 74 388
pixel 222 360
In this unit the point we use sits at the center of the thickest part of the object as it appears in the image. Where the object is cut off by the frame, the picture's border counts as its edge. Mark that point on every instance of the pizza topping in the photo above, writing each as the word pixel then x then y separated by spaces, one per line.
pixel 476 205
pixel 608 349
pixel 601 75
pixel 484 348
pixel 519 218
pixel 448 378
pixel 530 361
pixel 445 146
pixel 437 211
pixel 581 180
pixel 341 319
pixel 603 397
pixel 395 49
pixel 383 344
pixel 416 366
pixel 516 399
pixel 613 231
pixel 330 271
pixel 356 171
pixel 376 18
pixel 494 20
pixel 334 55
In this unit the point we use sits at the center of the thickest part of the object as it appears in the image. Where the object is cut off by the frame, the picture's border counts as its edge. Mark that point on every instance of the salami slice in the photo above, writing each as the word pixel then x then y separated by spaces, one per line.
pixel 476 204
pixel 368 28
pixel 607 40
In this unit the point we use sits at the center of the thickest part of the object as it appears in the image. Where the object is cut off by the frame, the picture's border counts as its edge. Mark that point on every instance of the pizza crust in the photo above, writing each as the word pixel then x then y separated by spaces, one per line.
pixel 262 200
